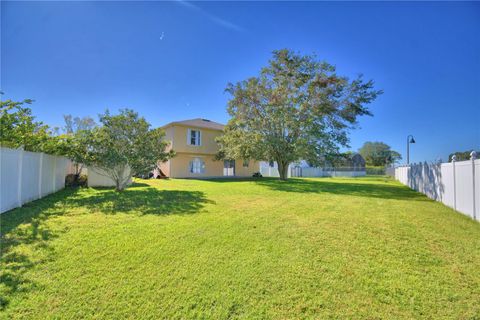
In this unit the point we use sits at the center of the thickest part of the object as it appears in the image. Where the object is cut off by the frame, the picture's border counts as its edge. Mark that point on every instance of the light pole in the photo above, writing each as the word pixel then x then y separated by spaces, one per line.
pixel 409 140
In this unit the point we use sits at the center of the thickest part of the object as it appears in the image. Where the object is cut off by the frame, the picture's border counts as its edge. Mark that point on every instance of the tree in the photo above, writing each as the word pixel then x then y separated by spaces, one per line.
pixel 296 108
pixel 378 154
pixel 18 128
pixel 72 141
pixel 77 124
pixel 123 146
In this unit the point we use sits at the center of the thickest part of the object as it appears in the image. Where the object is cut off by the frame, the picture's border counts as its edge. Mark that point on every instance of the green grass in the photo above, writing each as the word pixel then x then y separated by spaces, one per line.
pixel 306 248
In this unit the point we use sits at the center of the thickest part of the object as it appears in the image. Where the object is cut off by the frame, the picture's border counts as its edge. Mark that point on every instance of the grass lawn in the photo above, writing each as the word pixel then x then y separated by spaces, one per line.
pixel 306 248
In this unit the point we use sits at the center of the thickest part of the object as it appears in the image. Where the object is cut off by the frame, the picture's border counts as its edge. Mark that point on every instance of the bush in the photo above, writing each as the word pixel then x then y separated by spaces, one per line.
pixel 257 175
pixel 377 171
pixel 73 180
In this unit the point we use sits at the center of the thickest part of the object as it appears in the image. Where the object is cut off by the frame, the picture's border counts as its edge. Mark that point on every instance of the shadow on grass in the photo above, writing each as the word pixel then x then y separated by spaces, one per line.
pixel 369 187
pixel 358 189
pixel 142 201
pixel 28 226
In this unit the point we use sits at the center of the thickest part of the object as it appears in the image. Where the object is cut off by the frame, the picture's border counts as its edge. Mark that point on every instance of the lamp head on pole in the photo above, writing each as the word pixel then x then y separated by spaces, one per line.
pixel 412 140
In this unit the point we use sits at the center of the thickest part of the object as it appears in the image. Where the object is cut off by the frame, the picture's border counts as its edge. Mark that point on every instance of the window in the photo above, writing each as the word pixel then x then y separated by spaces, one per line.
pixel 245 163
pixel 197 165
pixel 193 137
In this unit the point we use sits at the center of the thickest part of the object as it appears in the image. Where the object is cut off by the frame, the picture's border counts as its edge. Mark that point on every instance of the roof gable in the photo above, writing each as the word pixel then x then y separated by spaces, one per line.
pixel 199 123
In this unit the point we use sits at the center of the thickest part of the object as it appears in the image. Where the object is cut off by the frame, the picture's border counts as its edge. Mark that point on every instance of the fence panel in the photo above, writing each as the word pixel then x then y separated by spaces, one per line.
pixel 312 172
pixel 30 176
pixel 27 176
pixel 448 194
pixel 477 188
pixel 47 174
pixel 344 173
pixel 269 172
pixel 9 173
pixel 464 187
pixel 61 170
pixel 455 184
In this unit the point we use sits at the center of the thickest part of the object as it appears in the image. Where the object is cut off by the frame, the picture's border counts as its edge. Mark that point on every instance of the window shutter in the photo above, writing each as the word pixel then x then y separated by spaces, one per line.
pixel 189 132
pixel 199 138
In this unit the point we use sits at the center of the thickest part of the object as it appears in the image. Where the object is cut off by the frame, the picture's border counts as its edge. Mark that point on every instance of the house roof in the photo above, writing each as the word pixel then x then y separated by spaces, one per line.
pixel 198 122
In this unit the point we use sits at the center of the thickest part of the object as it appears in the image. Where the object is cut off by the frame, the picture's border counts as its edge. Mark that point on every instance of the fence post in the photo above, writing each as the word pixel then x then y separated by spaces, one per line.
pixel 40 169
pixel 409 173
pixel 20 177
pixel 473 156
pixel 454 158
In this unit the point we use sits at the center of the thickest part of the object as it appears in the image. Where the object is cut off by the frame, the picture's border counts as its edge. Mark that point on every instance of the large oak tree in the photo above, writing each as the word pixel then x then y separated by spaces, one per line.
pixel 297 108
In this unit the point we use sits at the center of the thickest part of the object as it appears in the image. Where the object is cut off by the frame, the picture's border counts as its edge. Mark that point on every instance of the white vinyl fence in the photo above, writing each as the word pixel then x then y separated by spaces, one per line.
pixel 314 172
pixel 26 176
pixel 270 172
pixel 329 172
pixel 456 184
pixel 98 178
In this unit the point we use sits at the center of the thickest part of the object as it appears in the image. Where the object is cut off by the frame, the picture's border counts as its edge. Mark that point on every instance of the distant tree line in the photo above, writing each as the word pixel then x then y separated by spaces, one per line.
pixel 378 154
pixel 462 155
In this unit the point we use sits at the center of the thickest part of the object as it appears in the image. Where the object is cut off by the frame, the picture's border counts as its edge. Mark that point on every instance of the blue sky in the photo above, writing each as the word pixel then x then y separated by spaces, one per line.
pixel 172 60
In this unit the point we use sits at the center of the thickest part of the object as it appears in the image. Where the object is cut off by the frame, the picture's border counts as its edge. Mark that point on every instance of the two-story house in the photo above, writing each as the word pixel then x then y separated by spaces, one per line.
pixel 195 147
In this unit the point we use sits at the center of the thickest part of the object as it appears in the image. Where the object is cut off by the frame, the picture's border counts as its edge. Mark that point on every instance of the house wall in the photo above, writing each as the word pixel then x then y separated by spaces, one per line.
pixel 165 167
pixel 98 178
pixel 178 135
pixel 180 167
pixel 169 137
pixel 241 171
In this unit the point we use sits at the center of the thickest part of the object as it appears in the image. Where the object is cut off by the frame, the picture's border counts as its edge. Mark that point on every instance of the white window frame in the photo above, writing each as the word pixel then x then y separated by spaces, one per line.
pixel 198 139
pixel 196 166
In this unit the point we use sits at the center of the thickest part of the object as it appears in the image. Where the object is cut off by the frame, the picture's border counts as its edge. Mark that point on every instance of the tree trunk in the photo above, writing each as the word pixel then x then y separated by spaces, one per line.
pixel 120 180
pixel 283 170
pixel 118 185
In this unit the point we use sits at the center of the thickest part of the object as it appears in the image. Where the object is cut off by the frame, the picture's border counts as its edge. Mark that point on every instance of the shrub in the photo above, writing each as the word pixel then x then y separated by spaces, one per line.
pixel 74 180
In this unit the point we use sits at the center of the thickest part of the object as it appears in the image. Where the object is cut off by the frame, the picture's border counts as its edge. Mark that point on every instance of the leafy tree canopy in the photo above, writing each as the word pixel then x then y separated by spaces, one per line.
pixel 378 154
pixel 124 145
pixel 74 125
pixel 296 108
pixel 72 143
pixel 18 127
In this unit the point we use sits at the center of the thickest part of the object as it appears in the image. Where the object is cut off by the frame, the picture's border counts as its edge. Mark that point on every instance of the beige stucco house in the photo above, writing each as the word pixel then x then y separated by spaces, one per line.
pixel 195 147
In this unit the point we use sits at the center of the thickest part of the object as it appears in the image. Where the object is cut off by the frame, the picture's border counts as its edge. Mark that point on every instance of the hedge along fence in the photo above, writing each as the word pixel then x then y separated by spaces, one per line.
pixel 26 176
